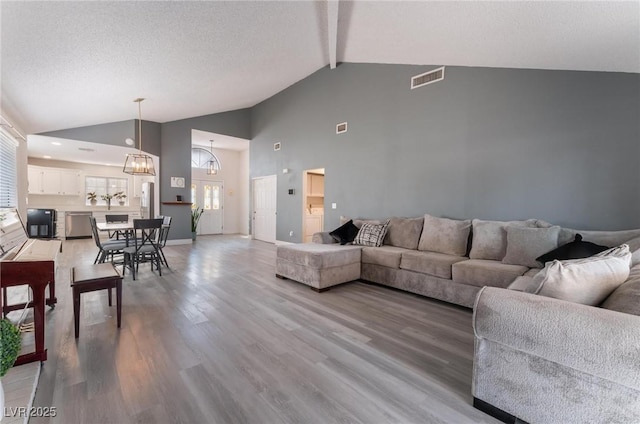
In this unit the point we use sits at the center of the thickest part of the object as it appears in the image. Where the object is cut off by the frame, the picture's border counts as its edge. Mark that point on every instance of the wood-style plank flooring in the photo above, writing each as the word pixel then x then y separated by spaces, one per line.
pixel 219 339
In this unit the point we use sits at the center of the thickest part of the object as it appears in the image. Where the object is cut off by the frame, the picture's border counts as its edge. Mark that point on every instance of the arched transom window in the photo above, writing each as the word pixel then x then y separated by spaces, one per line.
pixel 200 158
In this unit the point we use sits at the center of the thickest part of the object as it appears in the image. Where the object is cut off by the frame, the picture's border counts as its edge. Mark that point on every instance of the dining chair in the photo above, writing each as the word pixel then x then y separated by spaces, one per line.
pixel 162 238
pixel 116 219
pixel 105 248
pixel 144 246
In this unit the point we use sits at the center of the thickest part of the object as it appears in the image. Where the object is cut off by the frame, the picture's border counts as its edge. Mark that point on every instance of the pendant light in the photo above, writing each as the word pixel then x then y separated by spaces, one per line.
pixel 139 163
pixel 212 166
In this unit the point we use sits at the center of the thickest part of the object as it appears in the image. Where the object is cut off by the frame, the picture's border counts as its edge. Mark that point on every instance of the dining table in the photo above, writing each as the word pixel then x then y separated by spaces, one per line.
pixel 124 228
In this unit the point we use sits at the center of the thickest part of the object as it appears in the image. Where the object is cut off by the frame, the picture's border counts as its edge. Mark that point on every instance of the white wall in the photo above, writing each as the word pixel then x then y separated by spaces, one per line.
pixel 234 175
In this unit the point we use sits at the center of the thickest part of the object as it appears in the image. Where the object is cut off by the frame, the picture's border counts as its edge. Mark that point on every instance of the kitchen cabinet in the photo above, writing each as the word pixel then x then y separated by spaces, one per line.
pixel 53 181
pixel 315 185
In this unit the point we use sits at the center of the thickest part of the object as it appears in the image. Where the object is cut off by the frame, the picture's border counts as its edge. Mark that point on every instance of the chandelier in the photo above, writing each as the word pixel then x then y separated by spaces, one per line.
pixel 212 165
pixel 139 163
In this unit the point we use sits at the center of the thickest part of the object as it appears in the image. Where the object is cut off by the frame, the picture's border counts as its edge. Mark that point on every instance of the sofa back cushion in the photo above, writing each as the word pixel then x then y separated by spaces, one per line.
pixel 606 238
pixel 444 235
pixel 588 281
pixel 626 298
pixel 489 239
pixel 404 232
pixel 525 244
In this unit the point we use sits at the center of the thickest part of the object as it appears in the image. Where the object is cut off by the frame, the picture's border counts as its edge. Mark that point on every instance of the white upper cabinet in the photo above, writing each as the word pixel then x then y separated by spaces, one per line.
pixel 54 181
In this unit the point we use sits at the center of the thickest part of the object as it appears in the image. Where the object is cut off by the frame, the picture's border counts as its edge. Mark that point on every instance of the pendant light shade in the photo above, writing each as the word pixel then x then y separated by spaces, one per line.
pixel 212 166
pixel 139 163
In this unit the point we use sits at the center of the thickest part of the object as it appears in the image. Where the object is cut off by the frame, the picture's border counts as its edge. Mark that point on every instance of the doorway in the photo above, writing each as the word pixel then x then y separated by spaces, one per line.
pixel 207 194
pixel 312 203
pixel 264 208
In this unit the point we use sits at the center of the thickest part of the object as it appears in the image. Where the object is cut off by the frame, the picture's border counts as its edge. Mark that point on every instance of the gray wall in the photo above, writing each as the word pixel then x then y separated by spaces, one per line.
pixel 175 159
pixel 484 143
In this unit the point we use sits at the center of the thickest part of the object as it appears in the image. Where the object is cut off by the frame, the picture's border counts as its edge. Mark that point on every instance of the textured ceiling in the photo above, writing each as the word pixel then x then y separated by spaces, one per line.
pixel 70 64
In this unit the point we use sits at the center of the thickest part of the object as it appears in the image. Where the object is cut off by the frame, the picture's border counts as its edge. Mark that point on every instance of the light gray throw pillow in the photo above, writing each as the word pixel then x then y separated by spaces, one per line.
pixel 588 281
pixel 445 235
pixel 525 244
pixel 489 240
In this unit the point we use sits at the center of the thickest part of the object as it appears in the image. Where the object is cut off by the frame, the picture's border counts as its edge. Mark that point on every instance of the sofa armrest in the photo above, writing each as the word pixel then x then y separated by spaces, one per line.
pixel 322 238
pixel 592 340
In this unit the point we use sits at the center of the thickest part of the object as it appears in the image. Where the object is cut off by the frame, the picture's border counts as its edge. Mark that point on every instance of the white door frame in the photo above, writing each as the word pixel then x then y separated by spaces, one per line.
pixel 270 237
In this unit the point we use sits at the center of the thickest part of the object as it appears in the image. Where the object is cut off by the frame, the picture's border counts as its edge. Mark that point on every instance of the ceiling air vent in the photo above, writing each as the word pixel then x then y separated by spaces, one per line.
pixel 341 128
pixel 427 78
pixel 277 146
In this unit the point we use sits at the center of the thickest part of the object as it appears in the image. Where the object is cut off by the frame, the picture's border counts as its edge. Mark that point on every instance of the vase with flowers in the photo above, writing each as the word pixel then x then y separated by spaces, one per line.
pixel 107 198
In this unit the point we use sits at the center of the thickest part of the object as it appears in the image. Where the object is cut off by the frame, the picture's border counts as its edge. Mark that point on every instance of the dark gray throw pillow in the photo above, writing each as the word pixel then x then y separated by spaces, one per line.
pixel 577 249
pixel 345 233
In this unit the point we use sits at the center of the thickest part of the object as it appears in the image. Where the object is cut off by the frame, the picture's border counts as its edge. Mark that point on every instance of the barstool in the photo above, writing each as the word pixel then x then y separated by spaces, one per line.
pixel 91 278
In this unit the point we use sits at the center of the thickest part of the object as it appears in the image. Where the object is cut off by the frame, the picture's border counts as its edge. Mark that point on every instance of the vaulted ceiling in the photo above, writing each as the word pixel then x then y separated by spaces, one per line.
pixel 67 64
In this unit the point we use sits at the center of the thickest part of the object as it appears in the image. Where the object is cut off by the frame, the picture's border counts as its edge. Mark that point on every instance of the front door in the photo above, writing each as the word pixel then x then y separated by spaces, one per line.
pixel 208 196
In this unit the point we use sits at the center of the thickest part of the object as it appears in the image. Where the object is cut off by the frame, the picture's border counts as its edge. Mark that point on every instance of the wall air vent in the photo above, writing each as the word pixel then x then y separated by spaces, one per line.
pixel 277 146
pixel 341 128
pixel 427 78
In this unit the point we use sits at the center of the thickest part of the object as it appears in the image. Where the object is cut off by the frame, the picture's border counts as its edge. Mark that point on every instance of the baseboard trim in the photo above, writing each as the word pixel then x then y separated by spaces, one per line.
pixel 179 241
pixel 497 413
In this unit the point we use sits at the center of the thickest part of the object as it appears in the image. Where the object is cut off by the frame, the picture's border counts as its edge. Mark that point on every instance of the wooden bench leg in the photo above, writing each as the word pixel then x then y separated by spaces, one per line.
pixel 109 290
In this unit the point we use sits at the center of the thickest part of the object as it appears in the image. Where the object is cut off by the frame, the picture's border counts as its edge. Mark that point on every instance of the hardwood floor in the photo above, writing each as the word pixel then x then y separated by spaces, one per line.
pixel 219 339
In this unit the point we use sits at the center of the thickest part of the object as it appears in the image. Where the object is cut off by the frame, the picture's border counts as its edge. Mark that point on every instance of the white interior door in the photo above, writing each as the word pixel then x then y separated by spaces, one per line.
pixel 208 196
pixel 264 208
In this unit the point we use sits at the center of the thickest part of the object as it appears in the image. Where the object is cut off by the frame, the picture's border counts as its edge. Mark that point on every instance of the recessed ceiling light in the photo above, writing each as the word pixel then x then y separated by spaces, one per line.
pixel 56 143
pixel 47 157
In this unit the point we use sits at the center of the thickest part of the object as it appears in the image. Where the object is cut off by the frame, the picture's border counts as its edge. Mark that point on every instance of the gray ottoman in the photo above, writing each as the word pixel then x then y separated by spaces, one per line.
pixel 319 266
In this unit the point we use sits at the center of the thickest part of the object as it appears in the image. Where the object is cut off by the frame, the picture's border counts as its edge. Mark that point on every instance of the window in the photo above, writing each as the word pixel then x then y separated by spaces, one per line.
pixel 8 171
pixel 103 186
pixel 200 158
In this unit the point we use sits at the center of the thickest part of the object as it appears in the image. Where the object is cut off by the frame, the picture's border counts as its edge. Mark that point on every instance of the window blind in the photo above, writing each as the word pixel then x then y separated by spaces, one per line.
pixel 8 171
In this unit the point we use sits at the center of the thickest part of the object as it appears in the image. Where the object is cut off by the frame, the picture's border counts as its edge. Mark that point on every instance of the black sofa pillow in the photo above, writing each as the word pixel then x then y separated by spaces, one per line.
pixel 345 233
pixel 577 249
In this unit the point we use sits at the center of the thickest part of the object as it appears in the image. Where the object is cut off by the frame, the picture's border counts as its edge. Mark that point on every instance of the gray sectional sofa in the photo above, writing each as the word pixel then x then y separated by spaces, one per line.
pixel 452 260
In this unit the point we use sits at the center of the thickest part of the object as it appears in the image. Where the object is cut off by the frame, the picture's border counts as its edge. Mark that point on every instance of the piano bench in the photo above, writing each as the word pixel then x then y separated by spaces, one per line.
pixel 91 278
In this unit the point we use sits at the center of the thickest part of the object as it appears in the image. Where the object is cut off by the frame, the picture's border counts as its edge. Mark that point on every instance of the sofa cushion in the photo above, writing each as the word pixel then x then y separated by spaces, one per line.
pixel 489 239
pixel 445 235
pixel 524 283
pixel 345 233
pixel 532 272
pixel 525 244
pixel 626 298
pixel 634 248
pixel 319 256
pixel 577 249
pixel 483 272
pixel 371 234
pixel 431 263
pixel 605 238
pixel 404 232
pixel 587 281
pixel 388 256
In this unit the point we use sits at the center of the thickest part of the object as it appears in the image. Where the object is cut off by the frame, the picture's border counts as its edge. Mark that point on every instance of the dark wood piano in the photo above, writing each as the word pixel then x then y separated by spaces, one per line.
pixel 31 262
